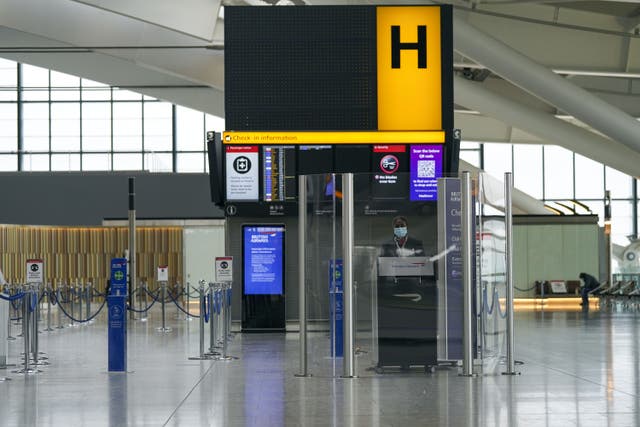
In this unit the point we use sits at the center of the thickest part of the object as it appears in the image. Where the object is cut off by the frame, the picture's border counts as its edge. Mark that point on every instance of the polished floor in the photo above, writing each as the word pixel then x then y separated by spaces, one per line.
pixel 578 369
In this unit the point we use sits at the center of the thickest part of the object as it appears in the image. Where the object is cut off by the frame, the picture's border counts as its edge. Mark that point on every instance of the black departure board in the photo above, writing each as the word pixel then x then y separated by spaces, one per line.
pixel 279 173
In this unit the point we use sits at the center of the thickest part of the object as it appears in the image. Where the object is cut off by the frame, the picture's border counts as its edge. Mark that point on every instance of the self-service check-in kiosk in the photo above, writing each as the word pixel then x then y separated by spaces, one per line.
pixel 407 311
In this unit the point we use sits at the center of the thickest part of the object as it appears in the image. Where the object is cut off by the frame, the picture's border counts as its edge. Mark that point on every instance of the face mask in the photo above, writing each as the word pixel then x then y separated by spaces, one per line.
pixel 400 232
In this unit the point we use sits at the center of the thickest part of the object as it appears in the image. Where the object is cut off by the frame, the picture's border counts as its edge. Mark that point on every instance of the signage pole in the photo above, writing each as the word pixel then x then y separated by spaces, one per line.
pixel 132 243
pixel 117 316
pixel 347 249
pixel 468 241
pixel 302 290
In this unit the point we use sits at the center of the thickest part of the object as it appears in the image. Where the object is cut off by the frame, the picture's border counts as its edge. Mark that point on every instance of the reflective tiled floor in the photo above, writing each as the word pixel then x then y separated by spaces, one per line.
pixel 578 369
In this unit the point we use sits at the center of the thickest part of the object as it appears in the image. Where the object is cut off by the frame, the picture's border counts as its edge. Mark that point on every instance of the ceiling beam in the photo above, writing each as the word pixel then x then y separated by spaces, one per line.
pixel 545 84
pixel 618 156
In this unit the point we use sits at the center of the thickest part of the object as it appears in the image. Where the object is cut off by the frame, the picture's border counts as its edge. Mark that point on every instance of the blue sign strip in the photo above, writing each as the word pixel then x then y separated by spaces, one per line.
pixel 336 309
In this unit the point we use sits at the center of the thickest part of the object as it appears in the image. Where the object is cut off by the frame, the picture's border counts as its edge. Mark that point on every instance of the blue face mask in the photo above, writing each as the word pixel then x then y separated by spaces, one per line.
pixel 400 232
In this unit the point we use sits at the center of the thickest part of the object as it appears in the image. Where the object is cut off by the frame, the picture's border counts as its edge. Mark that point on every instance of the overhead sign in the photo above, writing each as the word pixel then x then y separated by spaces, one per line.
pixel 35 271
pixel 409 68
pixel 242 172
pixel 163 273
pixel 330 137
pixel 224 269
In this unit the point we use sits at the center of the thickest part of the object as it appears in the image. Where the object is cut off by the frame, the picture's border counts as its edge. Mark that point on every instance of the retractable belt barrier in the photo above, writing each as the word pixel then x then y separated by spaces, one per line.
pixel 215 309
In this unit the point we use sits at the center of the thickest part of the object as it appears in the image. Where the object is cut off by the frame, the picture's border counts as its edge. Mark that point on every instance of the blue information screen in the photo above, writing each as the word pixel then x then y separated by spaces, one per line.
pixel 425 166
pixel 263 259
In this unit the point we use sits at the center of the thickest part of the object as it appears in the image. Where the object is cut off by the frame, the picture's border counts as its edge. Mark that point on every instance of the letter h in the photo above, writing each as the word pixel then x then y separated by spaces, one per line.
pixel 420 46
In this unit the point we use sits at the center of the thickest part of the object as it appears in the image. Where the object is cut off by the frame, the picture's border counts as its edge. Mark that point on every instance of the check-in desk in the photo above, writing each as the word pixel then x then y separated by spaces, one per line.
pixel 407 310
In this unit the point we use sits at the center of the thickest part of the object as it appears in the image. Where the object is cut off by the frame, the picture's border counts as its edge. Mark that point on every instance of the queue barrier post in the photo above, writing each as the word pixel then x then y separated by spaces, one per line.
pixel 213 324
pixel 225 325
pixel 164 327
pixel 72 295
pixel 87 301
pixel 11 291
pixel 202 294
pixel 48 292
pixel 59 298
pixel 26 320
pixel 143 301
pixel 188 292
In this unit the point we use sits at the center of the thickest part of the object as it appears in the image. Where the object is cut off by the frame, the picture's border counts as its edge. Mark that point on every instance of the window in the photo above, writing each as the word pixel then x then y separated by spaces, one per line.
pixel 190 135
pixel 558 173
pixel 527 169
pixel 589 178
pixel 497 159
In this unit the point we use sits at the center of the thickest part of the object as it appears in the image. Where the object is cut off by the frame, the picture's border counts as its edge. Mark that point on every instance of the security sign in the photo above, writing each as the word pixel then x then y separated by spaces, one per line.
pixel 35 271
pixel 224 269
pixel 163 273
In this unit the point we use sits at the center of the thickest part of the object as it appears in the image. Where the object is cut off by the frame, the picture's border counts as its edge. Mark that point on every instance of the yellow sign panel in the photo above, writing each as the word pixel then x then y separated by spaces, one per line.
pixel 409 68
pixel 366 137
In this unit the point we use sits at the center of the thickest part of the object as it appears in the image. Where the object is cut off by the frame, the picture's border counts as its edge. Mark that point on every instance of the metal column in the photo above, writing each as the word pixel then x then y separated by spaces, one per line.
pixel 468 245
pixel 132 242
pixel 347 250
pixel 508 225
pixel 302 290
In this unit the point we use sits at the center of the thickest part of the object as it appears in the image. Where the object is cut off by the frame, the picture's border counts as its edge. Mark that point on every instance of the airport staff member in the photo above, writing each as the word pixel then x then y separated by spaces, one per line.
pixel 402 245
pixel 590 283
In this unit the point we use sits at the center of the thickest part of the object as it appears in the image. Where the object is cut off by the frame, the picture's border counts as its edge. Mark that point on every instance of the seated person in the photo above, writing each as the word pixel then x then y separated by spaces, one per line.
pixel 589 284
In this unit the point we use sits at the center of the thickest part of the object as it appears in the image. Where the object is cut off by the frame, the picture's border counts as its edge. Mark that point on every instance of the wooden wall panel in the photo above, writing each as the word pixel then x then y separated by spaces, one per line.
pixel 83 254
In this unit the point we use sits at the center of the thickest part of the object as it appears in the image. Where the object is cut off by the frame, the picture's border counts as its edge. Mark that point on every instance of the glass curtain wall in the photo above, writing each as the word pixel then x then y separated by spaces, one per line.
pixel 558 176
pixel 51 121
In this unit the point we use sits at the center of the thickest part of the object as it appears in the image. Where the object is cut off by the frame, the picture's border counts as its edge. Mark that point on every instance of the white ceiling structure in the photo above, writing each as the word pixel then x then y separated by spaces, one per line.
pixel 527 71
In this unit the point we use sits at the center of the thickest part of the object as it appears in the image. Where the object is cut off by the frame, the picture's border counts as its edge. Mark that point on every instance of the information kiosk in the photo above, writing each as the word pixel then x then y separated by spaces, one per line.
pixel 407 312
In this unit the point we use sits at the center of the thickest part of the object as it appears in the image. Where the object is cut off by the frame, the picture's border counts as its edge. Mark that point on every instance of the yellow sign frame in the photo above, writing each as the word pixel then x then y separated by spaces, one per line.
pixel 332 137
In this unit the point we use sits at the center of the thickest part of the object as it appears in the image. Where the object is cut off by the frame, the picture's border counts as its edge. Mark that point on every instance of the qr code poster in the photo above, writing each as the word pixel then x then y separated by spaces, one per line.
pixel 425 164
pixel 426 168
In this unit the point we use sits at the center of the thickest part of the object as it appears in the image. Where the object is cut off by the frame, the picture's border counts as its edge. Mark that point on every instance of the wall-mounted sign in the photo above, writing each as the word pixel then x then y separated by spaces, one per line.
pixel 242 172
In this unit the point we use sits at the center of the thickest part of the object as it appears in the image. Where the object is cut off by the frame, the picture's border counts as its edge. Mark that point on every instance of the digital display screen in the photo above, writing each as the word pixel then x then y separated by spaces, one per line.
pixel 389 164
pixel 279 173
pixel 315 159
pixel 263 259
pixel 425 167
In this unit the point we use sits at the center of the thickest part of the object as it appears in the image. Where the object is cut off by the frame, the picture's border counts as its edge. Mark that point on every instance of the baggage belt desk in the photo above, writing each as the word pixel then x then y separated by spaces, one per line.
pixel 407 310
